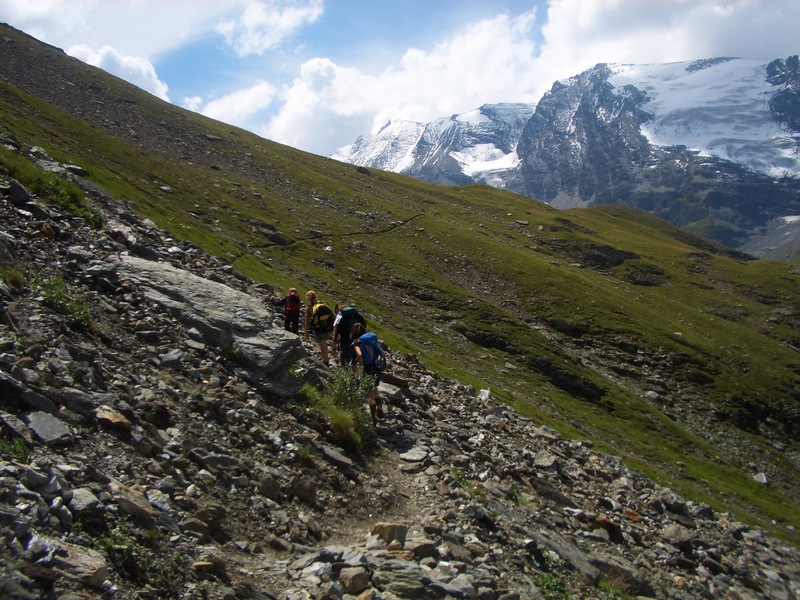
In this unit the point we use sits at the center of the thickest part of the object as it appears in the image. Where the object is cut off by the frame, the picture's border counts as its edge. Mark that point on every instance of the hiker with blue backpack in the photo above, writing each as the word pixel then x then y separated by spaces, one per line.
pixel 370 359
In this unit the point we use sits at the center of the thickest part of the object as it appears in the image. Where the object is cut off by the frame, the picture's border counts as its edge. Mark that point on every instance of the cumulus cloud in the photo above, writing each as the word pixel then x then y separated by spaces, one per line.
pixel 134 69
pixel 139 28
pixel 585 33
pixel 327 100
pixel 263 25
pixel 497 60
pixel 238 108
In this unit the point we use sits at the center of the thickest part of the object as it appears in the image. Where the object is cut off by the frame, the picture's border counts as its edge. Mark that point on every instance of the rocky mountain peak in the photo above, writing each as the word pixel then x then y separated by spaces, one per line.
pixel 692 143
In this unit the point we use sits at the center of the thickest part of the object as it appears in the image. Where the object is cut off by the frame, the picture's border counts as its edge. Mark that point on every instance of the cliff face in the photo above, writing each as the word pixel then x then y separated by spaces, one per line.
pixel 585 145
pixel 151 446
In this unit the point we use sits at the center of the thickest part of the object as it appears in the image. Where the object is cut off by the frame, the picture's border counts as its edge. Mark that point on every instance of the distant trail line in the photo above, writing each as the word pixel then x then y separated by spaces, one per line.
pixel 303 240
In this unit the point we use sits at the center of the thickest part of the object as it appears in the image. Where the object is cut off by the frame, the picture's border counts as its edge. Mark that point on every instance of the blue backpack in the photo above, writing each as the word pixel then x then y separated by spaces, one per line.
pixel 371 351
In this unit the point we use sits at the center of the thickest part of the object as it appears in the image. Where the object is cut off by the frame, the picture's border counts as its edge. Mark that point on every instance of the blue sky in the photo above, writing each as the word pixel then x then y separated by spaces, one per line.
pixel 315 74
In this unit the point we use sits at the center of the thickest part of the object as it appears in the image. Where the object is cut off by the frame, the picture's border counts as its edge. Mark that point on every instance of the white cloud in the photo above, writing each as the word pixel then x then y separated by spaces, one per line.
pixel 496 60
pixel 487 62
pixel 580 34
pixel 238 108
pixel 264 25
pixel 134 69
pixel 133 27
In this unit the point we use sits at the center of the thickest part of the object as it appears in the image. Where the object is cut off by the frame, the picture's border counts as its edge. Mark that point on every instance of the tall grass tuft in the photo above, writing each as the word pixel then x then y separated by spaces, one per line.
pixel 342 403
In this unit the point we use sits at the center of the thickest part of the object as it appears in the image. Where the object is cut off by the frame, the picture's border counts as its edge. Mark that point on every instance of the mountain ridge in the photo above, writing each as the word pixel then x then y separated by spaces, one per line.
pixel 663 138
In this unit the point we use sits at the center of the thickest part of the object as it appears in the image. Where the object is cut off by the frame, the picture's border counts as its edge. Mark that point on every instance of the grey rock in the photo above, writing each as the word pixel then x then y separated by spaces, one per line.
pixel 48 429
pixel 214 462
pixel 227 319
pixel 85 504
pixel 17 394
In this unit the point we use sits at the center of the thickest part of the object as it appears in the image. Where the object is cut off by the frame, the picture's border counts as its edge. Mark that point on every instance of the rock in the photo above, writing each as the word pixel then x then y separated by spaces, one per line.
pixel 113 419
pixel 48 429
pixel 679 536
pixel 132 502
pixel 17 394
pixel 390 532
pixel 212 461
pixel 226 318
pixel 354 580
pixel 305 489
pixel 414 455
pixel 401 578
pixel 270 487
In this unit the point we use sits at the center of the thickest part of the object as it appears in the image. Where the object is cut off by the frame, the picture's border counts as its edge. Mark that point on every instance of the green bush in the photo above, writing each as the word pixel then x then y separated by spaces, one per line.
pixel 56 295
pixel 342 403
pixel 552 587
pixel 12 277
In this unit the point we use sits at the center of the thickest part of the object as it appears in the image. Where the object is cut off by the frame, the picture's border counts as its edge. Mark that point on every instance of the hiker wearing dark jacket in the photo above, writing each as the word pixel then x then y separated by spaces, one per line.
pixel 291 308
pixel 346 317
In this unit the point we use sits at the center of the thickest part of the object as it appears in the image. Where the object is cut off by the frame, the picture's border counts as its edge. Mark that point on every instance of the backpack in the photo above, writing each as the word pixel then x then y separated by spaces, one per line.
pixel 371 351
pixel 350 316
pixel 322 319
pixel 293 303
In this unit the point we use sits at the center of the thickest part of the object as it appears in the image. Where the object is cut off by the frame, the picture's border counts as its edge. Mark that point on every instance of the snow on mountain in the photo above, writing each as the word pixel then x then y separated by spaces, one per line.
pixel 710 145
pixel 391 149
pixel 481 142
pixel 719 107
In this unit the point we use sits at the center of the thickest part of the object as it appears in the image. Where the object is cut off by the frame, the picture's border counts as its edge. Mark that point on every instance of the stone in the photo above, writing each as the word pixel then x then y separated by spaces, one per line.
pixel 354 580
pixel 226 318
pixel 270 487
pixel 305 489
pixel 214 462
pixel 390 532
pixel 113 419
pixel 132 502
pixel 414 455
pixel 17 394
pixel 48 429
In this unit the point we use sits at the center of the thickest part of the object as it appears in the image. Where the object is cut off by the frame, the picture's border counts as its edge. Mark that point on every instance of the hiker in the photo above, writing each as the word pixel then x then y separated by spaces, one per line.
pixel 319 319
pixel 370 359
pixel 346 317
pixel 291 308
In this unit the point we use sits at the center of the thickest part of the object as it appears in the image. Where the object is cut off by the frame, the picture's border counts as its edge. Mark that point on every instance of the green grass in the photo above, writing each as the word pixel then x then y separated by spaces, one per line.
pixel 450 275
pixel 343 404
pixel 50 186
pixel 57 296
pixel 14 449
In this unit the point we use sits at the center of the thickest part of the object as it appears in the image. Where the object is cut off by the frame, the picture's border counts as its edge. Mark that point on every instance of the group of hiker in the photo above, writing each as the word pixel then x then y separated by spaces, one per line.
pixel 346 330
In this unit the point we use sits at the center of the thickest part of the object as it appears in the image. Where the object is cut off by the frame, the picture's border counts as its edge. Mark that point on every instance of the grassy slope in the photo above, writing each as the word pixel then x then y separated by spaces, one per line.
pixel 484 286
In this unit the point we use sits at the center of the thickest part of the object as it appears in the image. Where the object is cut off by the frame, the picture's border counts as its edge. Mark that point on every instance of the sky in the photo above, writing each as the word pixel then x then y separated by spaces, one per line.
pixel 316 74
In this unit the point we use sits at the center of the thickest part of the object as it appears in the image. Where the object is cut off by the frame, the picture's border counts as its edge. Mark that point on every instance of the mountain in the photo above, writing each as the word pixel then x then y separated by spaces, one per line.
pixel 479 146
pixel 711 146
pixel 585 401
